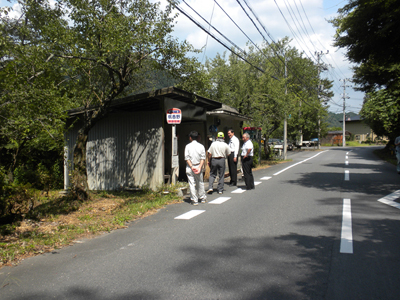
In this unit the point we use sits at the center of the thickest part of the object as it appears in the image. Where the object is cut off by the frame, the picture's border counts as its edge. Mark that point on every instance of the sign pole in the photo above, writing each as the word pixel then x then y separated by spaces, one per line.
pixel 174 150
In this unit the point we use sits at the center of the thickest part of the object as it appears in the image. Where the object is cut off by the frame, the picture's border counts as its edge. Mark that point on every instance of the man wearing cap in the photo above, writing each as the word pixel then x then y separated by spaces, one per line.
pixel 217 153
pixel 234 145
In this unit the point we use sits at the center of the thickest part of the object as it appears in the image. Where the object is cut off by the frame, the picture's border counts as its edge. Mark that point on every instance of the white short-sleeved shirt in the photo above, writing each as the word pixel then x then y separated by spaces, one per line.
pixel 246 146
pixel 195 152
pixel 234 145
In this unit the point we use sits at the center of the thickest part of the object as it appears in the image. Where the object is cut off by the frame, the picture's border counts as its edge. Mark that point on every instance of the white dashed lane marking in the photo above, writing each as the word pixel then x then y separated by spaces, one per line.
pixel 220 200
pixel 346 241
pixel 190 214
pixel 238 191
pixel 266 178
pixel 347 175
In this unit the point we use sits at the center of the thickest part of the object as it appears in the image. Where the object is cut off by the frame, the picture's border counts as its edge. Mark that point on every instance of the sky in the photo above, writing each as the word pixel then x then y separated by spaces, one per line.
pixel 303 21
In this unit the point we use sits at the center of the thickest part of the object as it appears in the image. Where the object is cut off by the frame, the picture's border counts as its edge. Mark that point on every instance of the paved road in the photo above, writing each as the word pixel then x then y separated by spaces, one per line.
pixel 310 230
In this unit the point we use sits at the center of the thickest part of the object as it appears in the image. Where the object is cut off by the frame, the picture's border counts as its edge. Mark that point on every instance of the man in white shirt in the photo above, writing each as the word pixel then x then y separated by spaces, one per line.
pixel 217 153
pixel 234 146
pixel 195 155
pixel 247 161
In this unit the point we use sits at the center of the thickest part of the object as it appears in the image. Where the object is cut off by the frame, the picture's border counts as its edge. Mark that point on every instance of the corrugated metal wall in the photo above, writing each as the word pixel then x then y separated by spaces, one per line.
pixel 124 150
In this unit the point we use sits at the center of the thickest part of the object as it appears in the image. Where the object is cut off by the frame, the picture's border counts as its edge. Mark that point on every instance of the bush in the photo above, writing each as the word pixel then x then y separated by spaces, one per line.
pixel 255 154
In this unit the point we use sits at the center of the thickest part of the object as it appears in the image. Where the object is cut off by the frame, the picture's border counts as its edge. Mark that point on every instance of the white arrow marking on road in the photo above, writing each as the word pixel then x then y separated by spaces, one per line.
pixel 346 242
pixel 190 214
pixel 266 178
pixel 220 200
pixel 389 199
pixel 347 175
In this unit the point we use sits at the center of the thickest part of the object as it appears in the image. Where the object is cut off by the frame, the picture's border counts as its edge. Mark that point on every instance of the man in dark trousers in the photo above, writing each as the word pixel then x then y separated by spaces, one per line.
pixel 217 153
pixel 247 161
pixel 234 145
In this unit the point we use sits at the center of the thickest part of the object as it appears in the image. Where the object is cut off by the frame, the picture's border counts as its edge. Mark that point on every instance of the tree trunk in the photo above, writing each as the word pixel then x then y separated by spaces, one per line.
pixel 80 187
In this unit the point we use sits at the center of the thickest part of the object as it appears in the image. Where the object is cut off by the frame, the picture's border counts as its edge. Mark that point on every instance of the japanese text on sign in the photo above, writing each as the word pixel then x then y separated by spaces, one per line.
pixel 174 116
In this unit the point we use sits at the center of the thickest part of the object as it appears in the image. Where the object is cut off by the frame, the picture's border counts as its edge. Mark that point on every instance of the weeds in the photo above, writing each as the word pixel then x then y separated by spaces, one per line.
pixel 56 221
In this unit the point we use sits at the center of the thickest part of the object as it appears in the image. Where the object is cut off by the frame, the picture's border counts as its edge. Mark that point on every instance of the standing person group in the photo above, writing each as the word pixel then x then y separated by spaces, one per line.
pixel 195 155
pixel 234 145
pixel 247 161
pixel 217 153
pixel 397 144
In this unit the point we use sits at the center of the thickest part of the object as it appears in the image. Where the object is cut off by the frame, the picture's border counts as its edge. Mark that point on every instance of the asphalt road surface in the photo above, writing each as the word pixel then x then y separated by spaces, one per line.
pixel 324 226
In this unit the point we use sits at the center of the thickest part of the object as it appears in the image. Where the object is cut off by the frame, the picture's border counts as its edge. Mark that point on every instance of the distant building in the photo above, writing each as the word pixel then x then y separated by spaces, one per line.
pixel 360 130
pixel 335 138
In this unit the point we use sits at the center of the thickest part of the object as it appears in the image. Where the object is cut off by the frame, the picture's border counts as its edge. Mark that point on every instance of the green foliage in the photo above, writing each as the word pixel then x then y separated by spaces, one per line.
pixel 16 200
pixel 256 148
pixel 381 111
pixel 263 97
pixel 368 31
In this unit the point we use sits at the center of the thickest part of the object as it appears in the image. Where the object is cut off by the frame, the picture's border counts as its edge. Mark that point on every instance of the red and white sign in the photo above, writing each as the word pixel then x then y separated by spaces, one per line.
pixel 174 116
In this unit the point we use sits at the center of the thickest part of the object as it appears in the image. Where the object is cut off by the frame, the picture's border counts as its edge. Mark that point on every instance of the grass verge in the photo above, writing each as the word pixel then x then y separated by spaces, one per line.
pixel 58 222
pixel 387 155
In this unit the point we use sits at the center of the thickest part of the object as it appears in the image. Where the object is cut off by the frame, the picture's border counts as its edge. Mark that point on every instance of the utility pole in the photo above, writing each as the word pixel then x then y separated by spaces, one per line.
pixel 344 109
pixel 320 66
pixel 285 122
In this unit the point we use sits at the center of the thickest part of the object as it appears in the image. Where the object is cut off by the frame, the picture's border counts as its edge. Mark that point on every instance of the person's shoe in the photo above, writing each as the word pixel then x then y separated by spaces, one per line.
pixel 220 192
pixel 194 203
pixel 204 200
pixel 232 184
pixel 210 191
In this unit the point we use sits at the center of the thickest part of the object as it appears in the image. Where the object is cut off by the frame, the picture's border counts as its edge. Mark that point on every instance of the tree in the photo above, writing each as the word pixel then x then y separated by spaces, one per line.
pixel 369 32
pixel 91 53
pixel 32 103
pixel 262 95
pixel 381 112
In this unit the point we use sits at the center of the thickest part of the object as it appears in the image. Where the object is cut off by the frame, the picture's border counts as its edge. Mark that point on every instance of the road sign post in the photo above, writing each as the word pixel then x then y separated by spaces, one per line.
pixel 174 116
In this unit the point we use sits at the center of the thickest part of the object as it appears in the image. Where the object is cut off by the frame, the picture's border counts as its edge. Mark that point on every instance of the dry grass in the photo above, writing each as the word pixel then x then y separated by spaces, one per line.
pixel 58 222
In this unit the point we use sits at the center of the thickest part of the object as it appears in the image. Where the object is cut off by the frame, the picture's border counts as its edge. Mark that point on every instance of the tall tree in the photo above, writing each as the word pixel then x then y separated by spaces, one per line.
pixel 262 95
pixel 32 103
pixel 96 52
pixel 368 30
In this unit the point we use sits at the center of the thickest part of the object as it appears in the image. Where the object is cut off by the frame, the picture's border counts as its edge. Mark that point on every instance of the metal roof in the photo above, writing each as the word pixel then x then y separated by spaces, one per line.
pixel 151 101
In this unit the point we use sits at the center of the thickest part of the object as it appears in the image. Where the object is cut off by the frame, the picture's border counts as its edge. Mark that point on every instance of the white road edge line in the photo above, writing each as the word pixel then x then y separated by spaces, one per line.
pixel 389 199
pixel 300 162
pixel 238 191
pixel 346 241
pixel 219 200
pixel 189 214
pixel 347 175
